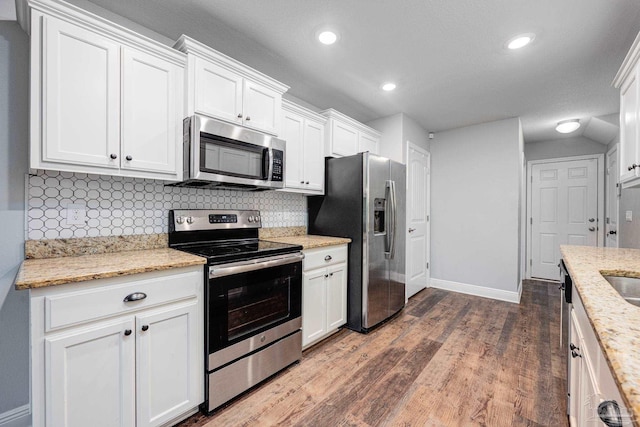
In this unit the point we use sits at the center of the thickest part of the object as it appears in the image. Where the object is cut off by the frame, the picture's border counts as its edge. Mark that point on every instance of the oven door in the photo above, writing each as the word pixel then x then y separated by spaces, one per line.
pixel 249 297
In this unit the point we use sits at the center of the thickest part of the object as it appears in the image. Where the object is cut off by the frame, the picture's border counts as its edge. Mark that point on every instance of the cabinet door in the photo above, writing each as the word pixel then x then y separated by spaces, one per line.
pixel 629 137
pixel 314 302
pixel 90 379
pixel 261 107
pixel 80 96
pixel 293 133
pixel 151 113
pixel 168 360
pixel 575 368
pixel 218 91
pixel 344 139
pixel 313 159
pixel 368 143
pixel 590 396
pixel 336 297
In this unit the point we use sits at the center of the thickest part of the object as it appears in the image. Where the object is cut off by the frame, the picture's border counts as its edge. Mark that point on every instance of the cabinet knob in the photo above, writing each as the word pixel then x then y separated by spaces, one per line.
pixel 328 258
pixel 129 158
pixel 145 327
pixel 632 167
pixel 127 332
pixel 248 118
pixel 301 182
pixel 326 275
pixel 575 354
pixel 331 274
pixel 592 229
pixel 613 232
pixel 307 182
pixel 573 347
pixel 115 156
pixel 240 115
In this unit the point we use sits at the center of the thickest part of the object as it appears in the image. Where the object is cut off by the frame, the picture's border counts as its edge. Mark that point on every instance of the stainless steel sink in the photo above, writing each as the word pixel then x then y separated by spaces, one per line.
pixel 627 287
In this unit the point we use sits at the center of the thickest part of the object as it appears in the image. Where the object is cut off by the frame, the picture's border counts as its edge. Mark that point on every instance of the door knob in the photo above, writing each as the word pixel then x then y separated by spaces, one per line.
pixel 411 230
pixel 592 229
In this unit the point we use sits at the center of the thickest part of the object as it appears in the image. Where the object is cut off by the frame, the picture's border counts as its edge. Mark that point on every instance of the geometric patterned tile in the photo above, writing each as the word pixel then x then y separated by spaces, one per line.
pixel 125 206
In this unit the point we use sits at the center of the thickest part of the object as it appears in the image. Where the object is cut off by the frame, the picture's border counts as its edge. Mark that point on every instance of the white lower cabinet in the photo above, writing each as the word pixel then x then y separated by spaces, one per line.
pixel 324 292
pixel 591 382
pixel 139 363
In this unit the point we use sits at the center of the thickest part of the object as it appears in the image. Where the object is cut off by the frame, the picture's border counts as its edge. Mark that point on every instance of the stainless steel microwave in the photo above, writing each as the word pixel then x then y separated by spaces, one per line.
pixel 222 155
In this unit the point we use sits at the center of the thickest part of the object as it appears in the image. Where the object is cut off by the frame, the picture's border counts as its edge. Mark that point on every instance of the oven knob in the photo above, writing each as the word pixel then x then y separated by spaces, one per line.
pixel 180 220
pixel 189 220
pixel 251 218
pixel 257 219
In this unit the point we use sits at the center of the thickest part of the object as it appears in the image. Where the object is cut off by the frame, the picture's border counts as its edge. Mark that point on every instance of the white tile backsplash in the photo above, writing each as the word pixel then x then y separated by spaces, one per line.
pixel 123 206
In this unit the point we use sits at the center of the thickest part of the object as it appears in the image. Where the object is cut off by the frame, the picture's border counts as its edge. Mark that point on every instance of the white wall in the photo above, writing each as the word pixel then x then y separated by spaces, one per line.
pixel 475 205
pixel 577 146
pixel 14 307
pixel 396 131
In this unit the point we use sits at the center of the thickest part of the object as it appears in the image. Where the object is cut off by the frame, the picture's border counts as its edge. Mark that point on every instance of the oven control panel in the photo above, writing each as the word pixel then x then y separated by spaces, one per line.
pixel 212 219
pixel 223 219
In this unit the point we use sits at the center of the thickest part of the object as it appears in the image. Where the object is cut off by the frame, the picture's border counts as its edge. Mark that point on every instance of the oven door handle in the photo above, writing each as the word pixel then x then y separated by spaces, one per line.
pixel 252 265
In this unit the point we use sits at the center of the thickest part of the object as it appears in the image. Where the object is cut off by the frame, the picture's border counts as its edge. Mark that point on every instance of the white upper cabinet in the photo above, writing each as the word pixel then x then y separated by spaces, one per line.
pixel 627 81
pixel 104 100
pixel 347 136
pixel 303 131
pixel 219 86
pixel 151 118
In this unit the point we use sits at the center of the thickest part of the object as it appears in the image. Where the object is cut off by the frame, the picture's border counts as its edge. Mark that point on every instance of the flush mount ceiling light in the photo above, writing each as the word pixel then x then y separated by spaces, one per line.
pixel 568 126
pixel 327 37
pixel 520 41
pixel 388 87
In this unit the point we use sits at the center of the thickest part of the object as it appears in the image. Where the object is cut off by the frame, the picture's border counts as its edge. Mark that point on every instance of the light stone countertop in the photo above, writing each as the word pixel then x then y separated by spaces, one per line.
pixel 38 273
pixel 615 321
pixel 309 241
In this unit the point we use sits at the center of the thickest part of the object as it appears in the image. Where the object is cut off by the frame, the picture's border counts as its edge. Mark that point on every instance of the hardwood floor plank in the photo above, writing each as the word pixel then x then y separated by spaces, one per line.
pixel 446 360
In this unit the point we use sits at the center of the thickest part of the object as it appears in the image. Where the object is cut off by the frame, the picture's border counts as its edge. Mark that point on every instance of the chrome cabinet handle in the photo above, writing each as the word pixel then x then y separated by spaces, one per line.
pixel 136 296
pixel 609 413
pixel 328 258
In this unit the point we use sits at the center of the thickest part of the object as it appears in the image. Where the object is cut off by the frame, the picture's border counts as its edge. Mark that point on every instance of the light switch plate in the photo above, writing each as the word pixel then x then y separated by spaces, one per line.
pixel 628 215
pixel 76 214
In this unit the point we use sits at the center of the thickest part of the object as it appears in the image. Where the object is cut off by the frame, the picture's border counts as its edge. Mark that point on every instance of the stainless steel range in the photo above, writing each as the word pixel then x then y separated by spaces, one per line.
pixel 253 300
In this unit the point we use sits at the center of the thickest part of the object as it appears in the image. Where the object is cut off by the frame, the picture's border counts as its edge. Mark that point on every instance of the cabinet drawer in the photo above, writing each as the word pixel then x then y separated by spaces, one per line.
pixel 322 257
pixel 82 306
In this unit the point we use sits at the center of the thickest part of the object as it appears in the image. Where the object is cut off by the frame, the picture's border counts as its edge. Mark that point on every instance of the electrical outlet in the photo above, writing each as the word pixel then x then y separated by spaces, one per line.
pixel 629 216
pixel 76 214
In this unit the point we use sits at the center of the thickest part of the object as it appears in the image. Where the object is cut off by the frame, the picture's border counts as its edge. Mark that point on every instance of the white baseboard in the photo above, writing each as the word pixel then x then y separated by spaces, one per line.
pixel 480 291
pixel 17 417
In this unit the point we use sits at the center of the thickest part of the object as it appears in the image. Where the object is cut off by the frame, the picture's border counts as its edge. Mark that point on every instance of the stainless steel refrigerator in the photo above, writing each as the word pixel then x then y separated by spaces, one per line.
pixel 365 201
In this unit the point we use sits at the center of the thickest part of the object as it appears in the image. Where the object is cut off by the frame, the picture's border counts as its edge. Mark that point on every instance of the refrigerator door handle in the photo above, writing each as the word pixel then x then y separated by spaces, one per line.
pixel 391 208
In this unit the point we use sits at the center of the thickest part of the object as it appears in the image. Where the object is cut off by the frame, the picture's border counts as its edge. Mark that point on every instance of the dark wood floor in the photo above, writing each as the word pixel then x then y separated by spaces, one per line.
pixel 448 359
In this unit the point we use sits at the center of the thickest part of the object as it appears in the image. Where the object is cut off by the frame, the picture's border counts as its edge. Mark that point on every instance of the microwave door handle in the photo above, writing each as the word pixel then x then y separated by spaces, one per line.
pixel 266 163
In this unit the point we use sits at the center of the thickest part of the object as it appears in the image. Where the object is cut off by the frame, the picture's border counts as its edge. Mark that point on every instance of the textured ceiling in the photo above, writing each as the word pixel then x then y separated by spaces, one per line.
pixel 447 57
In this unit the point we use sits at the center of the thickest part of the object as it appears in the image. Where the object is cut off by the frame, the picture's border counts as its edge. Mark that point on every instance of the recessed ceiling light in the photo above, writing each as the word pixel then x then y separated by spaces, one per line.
pixel 327 37
pixel 568 126
pixel 388 86
pixel 520 41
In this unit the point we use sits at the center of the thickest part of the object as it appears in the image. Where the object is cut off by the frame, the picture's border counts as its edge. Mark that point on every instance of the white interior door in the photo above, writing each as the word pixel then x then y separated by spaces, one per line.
pixel 613 198
pixel 418 173
pixel 564 210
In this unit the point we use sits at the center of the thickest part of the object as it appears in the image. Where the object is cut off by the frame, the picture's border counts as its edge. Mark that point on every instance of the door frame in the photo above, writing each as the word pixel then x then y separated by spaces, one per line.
pixel 425 152
pixel 600 200
pixel 615 148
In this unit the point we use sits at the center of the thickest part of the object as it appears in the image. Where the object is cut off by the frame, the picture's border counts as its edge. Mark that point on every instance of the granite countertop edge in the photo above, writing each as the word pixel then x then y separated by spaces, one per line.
pixel 44 272
pixel 309 241
pixel 615 321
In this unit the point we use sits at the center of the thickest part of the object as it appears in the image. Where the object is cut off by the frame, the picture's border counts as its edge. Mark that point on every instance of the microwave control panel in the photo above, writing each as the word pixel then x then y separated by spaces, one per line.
pixel 278 165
